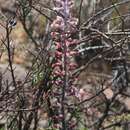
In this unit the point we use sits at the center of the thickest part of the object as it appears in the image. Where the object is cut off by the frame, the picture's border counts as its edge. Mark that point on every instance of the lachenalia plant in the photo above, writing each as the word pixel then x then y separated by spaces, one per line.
pixel 64 90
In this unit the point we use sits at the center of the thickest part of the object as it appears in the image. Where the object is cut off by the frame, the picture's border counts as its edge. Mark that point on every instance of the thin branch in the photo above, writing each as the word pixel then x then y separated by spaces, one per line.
pixel 104 11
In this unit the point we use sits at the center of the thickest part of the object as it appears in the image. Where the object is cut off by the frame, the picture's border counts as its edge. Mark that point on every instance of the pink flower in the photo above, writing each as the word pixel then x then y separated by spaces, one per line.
pixel 72 53
pixel 57 126
pixel 74 42
pixel 58 54
pixel 60 116
pixel 58 24
pixel 54 35
pixel 58 73
pixel 72 124
pixel 81 94
pixel 72 66
pixel 58 82
pixel 57 64
pixel 59 20
pixel 58 45
pixel 67 43
pixel 63 73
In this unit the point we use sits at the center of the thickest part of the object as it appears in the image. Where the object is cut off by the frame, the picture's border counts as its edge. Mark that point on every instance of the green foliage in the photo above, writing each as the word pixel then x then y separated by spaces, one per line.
pixel 42 24
pixel 83 128
pixel 2 128
pixel 37 77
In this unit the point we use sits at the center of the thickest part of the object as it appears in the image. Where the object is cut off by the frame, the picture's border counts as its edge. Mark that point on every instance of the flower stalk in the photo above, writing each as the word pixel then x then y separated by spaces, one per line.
pixel 62 28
